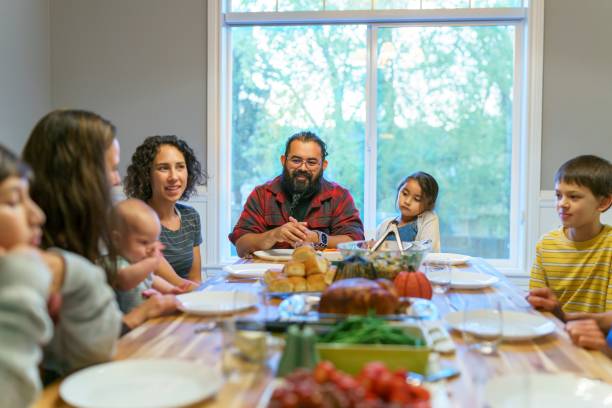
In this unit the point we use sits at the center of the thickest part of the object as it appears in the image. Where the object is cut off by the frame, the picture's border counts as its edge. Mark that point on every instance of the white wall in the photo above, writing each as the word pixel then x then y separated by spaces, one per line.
pixel 25 94
pixel 139 63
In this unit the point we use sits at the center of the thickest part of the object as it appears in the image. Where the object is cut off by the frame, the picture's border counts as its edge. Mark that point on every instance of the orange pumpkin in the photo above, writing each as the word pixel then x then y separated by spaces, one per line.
pixel 413 284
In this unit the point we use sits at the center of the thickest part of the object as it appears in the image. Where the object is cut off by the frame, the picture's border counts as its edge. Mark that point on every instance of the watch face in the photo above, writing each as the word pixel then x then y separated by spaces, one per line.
pixel 324 238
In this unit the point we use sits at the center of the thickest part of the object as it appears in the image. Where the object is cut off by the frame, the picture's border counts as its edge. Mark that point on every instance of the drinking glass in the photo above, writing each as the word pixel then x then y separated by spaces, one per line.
pixel 440 277
pixel 482 328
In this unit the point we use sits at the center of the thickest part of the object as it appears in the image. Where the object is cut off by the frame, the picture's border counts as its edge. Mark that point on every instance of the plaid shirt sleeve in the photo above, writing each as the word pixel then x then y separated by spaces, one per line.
pixel 345 217
pixel 252 219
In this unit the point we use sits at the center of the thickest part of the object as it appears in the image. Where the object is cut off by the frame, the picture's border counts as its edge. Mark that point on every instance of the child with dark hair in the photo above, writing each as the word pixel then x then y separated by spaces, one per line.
pixel 571 272
pixel 416 199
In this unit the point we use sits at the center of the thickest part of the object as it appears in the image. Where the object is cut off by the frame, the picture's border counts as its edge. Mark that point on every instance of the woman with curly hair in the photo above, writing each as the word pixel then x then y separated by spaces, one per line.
pixel 164 170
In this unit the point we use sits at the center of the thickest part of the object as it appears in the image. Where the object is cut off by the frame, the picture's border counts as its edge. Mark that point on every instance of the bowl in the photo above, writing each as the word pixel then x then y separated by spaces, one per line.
pixel 388 260
pixel 351 358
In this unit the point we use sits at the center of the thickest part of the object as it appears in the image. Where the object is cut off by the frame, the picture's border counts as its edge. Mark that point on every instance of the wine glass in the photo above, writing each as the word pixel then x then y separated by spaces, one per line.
pixel 483 328
pixel 439 275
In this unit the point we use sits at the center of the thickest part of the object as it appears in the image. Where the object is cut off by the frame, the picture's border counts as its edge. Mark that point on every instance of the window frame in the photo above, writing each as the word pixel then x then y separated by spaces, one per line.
pixel 526 138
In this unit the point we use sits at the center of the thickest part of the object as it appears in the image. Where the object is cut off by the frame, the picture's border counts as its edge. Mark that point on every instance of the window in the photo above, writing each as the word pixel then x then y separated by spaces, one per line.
pixel 425 88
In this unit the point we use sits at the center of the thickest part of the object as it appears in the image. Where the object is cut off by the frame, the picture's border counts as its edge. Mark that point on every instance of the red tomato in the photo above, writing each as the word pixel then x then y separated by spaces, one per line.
pixel 373 369
pixel 323 371
pixel 383 384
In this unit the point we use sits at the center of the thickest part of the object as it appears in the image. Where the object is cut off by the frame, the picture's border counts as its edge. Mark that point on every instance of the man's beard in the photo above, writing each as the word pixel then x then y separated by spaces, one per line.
pixel 303 188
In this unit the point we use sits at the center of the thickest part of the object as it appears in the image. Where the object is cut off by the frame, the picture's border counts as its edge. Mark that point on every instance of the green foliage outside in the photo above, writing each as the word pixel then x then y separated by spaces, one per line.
pixel 444 105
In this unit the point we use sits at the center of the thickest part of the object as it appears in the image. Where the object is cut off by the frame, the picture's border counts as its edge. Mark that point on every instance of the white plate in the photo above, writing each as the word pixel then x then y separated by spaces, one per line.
pixel 562 390
pixel 216 302
pixel 252 270
pixel 446 258
pixel 150 383
pixel 466 280
pixel 282 255
pixel 517 326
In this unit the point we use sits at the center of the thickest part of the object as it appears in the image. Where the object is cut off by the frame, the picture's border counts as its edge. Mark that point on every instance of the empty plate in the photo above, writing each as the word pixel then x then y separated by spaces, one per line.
pixel 216 302
pixel 282 255
pixel 251 270
pixel 559 390
pixel 517 326
pixel 446 258
pixel 465 280
pixel 146 383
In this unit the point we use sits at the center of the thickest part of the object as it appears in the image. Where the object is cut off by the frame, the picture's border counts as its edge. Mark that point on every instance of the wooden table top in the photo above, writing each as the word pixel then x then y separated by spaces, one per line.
pixel 178 336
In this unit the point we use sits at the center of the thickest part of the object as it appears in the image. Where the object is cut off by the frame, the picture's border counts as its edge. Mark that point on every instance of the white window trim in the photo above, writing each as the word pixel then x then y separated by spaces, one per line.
pixel 219 118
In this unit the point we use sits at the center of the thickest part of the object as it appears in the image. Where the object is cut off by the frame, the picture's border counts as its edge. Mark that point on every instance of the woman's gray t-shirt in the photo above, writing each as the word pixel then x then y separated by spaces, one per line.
pixel 179 244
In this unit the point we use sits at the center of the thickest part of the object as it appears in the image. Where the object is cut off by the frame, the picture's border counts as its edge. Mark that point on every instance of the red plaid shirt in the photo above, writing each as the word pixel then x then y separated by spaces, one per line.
pixel 331 211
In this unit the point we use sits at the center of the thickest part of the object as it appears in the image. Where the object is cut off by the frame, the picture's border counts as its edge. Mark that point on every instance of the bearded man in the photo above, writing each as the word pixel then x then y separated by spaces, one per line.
pixel 299 206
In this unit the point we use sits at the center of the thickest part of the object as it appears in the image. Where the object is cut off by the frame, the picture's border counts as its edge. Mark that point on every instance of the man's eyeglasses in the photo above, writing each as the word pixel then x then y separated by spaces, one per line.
pixel 298 161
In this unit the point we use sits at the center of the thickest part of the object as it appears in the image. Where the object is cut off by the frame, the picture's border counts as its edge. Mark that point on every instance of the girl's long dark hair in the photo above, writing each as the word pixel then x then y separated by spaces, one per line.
pixel 66 150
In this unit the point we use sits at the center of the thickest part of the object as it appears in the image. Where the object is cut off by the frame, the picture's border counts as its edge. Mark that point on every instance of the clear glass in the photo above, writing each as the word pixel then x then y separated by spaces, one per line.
pixel 348 4
pixel 252 5
pixel 397 4
pixel 445 107
pixel 482 329
pixel 288 79
pixel 300 5
pixel 440 277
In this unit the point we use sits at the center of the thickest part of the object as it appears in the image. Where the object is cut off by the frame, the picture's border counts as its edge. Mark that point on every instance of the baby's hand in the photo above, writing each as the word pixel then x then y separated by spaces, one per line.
pixel 150 293
pixel 187 286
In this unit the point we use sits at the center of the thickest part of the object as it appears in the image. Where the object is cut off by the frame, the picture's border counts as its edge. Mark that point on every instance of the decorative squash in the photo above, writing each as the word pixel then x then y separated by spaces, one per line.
pixel 413 284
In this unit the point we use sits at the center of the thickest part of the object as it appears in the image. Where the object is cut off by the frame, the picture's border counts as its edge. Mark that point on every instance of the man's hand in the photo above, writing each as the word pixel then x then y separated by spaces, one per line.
pixel 545 299
pixel 294 232
pixel 586 333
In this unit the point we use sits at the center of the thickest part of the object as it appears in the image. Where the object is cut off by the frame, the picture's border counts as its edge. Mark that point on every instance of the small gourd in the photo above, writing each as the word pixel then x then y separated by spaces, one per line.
pixel 413 284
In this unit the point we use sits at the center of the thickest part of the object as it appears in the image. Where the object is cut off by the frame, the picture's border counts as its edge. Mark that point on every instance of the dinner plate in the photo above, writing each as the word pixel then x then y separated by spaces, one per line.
pixel 251 270
pixel 559 390
pixel 281 255
pixel 147 383
pixel 465 280
pixel 216 302
pixel 446 258
pixel 517 326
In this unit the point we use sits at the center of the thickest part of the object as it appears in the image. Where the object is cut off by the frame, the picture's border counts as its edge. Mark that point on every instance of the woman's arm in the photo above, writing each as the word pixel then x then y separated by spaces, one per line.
pixel 195 273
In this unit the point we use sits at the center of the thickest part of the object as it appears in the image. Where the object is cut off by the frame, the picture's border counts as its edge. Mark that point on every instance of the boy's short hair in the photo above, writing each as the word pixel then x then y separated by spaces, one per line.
pixel 588 171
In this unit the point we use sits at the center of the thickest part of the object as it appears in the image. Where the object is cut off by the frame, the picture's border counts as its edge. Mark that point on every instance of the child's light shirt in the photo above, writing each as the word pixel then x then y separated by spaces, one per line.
pixel 130 299
pixel 427 226
pixel 577 272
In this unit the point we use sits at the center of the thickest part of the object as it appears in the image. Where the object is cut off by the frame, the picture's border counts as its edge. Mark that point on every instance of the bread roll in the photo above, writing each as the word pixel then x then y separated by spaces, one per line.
pixel 316 282
pixel 280 284
pixel 293 268
pixel 298 283
pixel 330 275
pixel 319 265
pixel 271 275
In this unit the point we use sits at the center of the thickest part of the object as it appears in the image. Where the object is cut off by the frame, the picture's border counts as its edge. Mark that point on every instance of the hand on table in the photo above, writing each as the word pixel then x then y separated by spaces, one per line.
pixel 545 299
pixel 586 333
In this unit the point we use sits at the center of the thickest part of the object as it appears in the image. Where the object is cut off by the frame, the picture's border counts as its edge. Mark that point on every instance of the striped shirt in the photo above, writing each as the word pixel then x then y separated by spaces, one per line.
pixel 577 272
pixel 179 244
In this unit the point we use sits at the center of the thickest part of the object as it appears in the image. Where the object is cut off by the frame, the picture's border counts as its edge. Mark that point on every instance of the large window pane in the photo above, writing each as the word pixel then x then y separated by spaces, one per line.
pixel 287 79
pixel 445 107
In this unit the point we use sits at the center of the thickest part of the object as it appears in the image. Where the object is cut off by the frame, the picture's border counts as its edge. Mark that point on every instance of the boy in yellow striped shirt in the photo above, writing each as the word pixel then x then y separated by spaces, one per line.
pixel 574 262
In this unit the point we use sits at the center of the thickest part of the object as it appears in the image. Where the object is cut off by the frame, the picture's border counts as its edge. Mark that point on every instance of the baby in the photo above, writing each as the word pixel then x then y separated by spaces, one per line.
pixel 136 230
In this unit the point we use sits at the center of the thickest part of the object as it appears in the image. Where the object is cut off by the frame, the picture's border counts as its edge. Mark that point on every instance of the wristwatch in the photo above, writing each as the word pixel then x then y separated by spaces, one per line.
pixel 322 244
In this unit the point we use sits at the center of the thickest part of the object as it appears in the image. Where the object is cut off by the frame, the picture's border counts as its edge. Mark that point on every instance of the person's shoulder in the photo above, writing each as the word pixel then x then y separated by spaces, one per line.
pixel 185 209
pixel 331 187
pixel 428 216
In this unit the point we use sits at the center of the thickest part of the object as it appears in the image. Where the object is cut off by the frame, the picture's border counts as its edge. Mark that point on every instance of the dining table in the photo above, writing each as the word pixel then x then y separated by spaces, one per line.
pixel 193 338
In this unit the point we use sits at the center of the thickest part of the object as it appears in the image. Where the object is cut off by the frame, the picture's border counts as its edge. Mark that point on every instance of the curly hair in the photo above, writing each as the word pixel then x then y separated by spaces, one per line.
pixel 66 151
pixel 137 182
